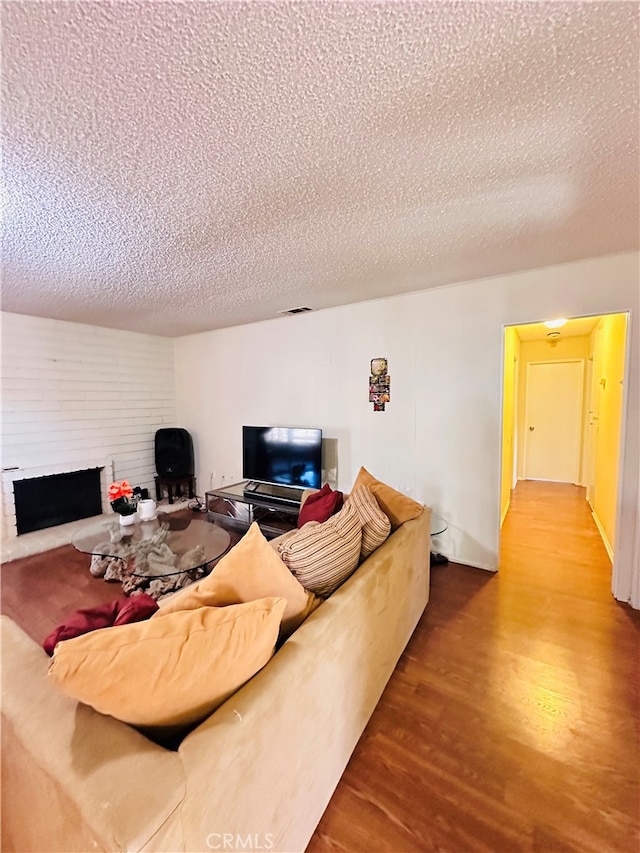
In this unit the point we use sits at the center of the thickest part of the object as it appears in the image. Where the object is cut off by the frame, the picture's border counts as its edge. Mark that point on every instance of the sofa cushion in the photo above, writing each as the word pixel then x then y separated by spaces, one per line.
pixel 396 506
pixel 322 556
pixel 320 506
pixel 250 570
pixel 173 671
pixel 375 524
pixel 119 612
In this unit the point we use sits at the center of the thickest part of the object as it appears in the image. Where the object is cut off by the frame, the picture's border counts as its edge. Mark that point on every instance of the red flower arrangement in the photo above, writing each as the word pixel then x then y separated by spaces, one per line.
pixel 120 496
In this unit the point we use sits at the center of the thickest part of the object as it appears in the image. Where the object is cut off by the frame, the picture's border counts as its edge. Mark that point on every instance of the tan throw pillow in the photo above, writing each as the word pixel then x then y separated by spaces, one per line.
pixel 396 506
pixel 173 671
pixel 251 570
pixel 376 527
pixel 322 556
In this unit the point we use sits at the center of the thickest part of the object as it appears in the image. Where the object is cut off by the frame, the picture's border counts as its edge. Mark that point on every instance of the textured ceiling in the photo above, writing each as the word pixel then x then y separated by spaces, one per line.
pixel 172 167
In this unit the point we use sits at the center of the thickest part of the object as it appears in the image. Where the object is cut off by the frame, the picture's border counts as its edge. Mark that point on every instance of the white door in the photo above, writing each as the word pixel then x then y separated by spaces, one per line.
pixel 553 420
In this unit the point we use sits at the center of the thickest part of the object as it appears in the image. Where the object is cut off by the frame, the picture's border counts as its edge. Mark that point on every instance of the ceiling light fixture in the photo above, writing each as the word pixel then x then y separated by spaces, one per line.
pixel 555 324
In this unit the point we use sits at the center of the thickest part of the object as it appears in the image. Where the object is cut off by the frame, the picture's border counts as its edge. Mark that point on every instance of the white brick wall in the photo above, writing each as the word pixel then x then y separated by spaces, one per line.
pixel 74 396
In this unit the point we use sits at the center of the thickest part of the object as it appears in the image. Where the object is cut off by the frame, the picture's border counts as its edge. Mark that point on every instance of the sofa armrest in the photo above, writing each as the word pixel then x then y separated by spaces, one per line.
pixel 73 779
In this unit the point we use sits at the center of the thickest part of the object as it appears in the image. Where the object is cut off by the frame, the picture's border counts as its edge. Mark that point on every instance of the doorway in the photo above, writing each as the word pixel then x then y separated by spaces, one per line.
pixel 563 411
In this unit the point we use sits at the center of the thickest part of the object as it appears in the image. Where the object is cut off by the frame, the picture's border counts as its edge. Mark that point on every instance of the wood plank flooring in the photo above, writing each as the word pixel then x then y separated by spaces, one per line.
pixel 511 720
pixel 39 592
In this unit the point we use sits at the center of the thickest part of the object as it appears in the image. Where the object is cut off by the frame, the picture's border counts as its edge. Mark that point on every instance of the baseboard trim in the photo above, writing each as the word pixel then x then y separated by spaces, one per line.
pixel 603 536
pixel 504 514
pixel 483 566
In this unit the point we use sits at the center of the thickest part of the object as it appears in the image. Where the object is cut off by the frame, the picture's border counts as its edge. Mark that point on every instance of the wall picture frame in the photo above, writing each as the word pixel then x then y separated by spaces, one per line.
pixel 379 384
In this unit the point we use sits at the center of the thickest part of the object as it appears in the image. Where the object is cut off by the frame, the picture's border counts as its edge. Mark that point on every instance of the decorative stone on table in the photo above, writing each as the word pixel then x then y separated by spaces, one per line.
pixel 158 571
pixel 98 566
pixel 105 567
pixel 160 587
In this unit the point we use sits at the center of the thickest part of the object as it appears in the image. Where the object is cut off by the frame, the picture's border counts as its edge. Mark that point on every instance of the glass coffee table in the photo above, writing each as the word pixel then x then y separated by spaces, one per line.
pixel 155 556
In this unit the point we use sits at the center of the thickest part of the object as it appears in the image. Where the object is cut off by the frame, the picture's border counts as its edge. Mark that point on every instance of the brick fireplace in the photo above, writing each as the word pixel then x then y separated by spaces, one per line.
pixel 30 481
pixel 43 502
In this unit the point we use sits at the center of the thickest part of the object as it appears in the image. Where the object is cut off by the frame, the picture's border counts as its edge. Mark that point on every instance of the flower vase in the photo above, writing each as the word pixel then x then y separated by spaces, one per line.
pixel 127 520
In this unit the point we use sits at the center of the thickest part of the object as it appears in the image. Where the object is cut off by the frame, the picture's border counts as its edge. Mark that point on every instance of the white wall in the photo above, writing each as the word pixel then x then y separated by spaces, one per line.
pixel 73 394
pixel 439 439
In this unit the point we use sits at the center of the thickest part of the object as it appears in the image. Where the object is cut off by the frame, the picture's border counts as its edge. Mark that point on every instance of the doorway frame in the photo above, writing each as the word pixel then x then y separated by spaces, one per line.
pixel 624 414
pixel 625 589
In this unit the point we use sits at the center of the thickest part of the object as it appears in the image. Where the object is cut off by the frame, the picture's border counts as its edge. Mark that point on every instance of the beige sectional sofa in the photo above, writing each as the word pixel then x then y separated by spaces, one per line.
pixel 256 775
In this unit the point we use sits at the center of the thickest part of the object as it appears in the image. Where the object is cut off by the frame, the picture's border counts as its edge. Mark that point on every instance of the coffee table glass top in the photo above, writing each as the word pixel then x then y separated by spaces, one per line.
pixel 165 546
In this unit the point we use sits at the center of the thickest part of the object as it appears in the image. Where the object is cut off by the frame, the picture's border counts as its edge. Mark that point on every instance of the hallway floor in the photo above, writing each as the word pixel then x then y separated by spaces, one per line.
pixel 511 721
pixel 547 520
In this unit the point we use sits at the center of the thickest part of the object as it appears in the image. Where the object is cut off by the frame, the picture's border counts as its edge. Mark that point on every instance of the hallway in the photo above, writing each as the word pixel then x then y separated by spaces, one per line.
pixel 510 723
pixel 549 541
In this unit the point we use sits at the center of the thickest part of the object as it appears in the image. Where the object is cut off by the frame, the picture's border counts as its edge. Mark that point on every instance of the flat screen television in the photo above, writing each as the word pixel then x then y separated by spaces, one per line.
pixel 289 456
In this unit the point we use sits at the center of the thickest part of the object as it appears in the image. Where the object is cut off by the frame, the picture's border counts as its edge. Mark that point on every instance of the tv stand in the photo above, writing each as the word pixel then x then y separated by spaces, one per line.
pixel 274 507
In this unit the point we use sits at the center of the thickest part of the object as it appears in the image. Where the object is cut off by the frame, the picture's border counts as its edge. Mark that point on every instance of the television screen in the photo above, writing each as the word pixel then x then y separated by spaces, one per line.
pixel 291 456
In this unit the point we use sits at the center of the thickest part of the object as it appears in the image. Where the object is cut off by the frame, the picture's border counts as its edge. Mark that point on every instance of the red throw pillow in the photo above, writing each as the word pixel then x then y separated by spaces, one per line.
pixel 135 609
pixel 320 505
pixel 118 612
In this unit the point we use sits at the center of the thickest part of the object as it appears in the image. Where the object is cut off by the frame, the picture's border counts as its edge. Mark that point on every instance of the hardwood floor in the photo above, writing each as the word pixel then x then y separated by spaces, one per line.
pixel 39 592
pixel 510 722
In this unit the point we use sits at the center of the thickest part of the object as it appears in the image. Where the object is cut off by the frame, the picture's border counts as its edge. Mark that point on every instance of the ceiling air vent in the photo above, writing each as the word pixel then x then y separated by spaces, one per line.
pixel 302 310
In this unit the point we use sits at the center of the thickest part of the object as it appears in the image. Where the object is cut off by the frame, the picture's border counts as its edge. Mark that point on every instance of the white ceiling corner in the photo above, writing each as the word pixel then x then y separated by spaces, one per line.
pixel 181 166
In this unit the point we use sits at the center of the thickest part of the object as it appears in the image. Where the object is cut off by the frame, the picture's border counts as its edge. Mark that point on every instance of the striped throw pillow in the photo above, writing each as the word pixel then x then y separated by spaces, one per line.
pixel 322 556
pixel 398 507
pixel 376 526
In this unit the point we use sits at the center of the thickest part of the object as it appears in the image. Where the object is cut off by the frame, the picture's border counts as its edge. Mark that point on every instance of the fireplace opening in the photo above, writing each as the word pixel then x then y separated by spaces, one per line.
pixel 48 501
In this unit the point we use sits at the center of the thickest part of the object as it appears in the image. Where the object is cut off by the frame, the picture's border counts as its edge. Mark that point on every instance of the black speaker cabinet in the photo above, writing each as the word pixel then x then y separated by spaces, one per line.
pixel 174 453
